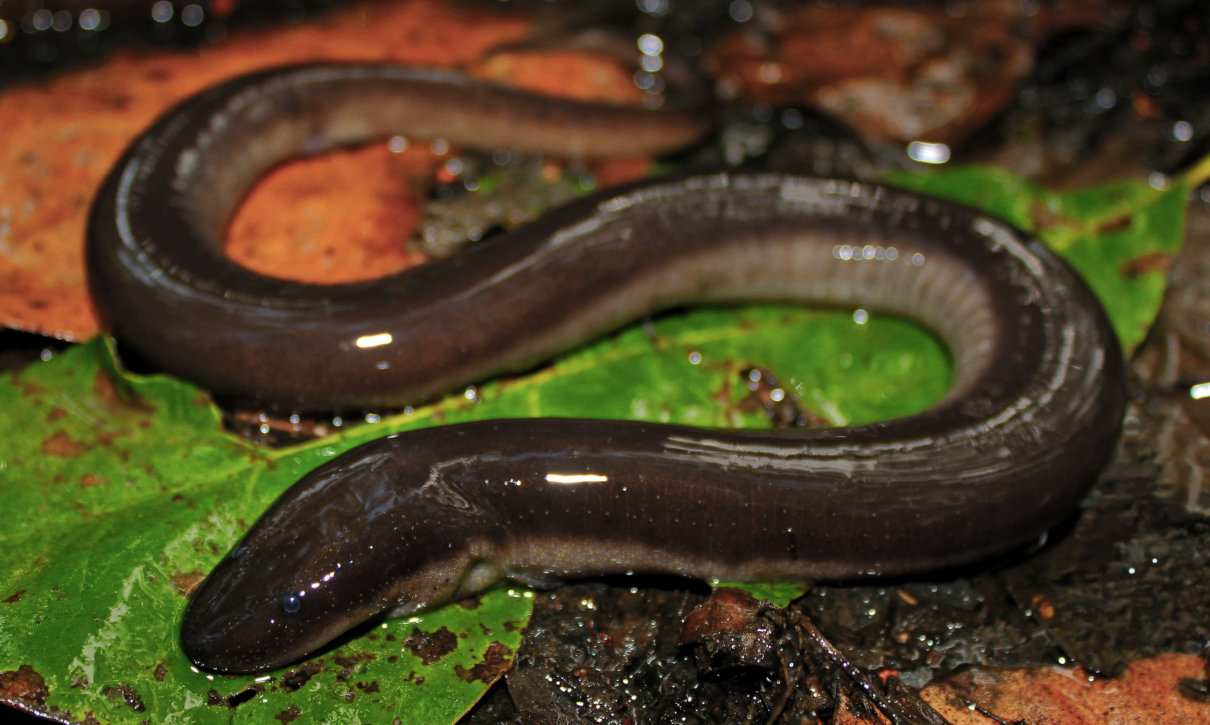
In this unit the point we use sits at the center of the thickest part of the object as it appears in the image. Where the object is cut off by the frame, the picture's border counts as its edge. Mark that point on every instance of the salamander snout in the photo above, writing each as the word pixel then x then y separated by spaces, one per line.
pixel 352 540
pixel 257 613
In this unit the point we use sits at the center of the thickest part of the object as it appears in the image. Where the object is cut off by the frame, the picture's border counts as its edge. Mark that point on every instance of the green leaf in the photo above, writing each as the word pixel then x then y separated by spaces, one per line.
pixel 779 594
pixel 121 490
pixel 128 491
pixel 1118 235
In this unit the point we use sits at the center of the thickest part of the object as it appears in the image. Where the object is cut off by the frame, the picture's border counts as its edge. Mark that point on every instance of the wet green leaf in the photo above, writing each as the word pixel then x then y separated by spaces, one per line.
pixel 1118 235
pixel 779 594
pixel 121 491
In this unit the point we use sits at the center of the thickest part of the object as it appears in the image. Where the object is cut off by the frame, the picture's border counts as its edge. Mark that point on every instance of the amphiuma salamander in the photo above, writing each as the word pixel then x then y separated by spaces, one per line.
pixel 418 518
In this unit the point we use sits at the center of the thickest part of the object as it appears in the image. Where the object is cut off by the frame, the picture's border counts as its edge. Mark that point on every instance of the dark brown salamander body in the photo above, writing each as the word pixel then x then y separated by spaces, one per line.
pixel 416 519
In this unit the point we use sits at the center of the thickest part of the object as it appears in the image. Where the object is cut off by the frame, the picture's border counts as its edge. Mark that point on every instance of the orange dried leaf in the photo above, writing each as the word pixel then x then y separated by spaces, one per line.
pixel 1145 693
pixel 61 137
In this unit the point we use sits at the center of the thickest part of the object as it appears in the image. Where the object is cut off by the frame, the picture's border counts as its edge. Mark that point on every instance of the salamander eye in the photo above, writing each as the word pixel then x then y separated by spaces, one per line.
pixel 291 603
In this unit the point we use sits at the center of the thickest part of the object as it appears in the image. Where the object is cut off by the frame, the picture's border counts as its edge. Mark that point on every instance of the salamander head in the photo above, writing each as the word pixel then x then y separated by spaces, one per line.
pixel 347 543
pixel 256 611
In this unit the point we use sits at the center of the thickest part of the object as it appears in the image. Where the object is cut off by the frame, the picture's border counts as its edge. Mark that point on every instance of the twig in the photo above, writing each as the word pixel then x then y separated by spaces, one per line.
pixel 890 707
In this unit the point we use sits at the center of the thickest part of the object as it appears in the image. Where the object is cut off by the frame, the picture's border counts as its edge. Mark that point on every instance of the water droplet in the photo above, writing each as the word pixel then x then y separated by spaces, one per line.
pixel 928 153
pixel 650 44
pixel 192 15
pixel 740 11
pixel 1182 131
pixel 653 7
pixel 162 11
pixel 651 63
pixel 644 81
pixel 397 144
pixel 1106 98
pixel 291 603
pixel 90 19
pixel 43 19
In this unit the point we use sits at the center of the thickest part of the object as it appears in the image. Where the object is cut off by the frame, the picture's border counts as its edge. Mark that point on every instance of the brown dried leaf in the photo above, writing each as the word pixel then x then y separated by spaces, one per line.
pixel 893 73
pixel 62 136
pixel 1146 693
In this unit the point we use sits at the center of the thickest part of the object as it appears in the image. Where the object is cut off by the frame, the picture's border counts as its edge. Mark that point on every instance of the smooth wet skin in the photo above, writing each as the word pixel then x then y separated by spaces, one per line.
pixel 420 518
